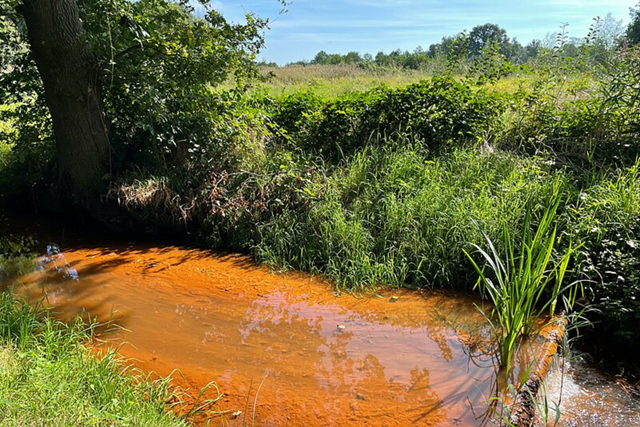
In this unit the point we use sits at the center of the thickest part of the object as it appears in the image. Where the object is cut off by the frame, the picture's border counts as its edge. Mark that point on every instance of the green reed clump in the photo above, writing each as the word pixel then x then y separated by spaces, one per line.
pixel 523 280
pixel 49 378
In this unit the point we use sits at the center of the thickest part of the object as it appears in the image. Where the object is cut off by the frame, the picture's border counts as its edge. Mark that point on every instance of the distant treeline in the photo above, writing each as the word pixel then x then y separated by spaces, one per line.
pixel 605 36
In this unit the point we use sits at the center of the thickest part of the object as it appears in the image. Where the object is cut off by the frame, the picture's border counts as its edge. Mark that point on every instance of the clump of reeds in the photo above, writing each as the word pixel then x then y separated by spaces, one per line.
pixel 523 281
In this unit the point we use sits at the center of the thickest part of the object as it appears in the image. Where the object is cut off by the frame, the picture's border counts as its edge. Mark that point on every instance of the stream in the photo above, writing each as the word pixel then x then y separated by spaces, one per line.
pixel 289 345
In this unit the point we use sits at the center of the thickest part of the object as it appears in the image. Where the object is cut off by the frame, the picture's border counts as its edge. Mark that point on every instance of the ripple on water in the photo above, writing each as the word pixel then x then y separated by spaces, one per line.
pixel 590 398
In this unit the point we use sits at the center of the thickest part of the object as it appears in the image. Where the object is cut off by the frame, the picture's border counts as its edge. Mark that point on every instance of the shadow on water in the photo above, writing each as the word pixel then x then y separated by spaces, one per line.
pixel 401 359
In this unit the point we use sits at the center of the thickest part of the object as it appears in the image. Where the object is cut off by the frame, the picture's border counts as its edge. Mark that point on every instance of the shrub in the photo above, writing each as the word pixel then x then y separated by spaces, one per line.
pixel 435 112
pixel 606 220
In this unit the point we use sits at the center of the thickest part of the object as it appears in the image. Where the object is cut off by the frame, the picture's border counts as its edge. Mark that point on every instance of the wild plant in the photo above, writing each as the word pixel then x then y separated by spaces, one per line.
pixel 46 369
pixel 524 282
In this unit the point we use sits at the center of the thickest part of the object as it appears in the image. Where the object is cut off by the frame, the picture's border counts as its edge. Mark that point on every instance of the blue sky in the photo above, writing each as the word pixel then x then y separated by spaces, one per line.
pixel 368 26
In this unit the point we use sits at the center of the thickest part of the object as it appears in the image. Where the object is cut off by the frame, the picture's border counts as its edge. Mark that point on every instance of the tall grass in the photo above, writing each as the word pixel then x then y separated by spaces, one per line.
pixel 336 80
pixel 49 378
pixel 523 282
pixel 393 214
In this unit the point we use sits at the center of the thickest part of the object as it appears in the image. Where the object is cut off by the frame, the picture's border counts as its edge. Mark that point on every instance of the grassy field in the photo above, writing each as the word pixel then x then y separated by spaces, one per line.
pixel 331 81
pixel 335 80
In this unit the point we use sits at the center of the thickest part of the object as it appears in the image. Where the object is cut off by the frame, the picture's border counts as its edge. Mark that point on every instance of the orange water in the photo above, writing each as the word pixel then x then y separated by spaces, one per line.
pixel 325 359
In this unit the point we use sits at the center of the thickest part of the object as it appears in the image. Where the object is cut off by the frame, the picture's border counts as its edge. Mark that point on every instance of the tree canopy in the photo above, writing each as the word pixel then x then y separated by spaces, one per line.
pixel 633 30
pixel 158 69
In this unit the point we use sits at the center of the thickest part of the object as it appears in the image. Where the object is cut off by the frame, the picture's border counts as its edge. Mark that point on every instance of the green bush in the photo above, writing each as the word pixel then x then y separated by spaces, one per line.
pixel 606 220
pixel 435 112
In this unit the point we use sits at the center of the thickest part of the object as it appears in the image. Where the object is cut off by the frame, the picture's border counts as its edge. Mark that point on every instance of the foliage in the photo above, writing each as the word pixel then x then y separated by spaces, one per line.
pixel 525 284
pixel 236 205
pixel 160 66
pixel 609 32
pixel 620 106
pixel 485 35
pixel 490 65
pixel 13 45
pixel 16 255
pixel 606 221
pixel 161 69
pixel 633 30
pixel 581 118
pixel 26 135
pixel 436 112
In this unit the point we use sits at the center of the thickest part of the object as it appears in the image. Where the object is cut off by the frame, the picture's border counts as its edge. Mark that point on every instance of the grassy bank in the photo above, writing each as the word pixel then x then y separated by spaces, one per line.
pixel 395 215
pixel 384 186
pixel 49 377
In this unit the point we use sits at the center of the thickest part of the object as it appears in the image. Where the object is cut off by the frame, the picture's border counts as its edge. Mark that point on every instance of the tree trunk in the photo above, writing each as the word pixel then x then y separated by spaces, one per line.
pixel 72 93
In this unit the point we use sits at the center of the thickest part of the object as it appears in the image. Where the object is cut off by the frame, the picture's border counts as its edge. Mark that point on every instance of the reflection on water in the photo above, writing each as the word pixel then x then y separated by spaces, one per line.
pixel 55 263
pixel 395 360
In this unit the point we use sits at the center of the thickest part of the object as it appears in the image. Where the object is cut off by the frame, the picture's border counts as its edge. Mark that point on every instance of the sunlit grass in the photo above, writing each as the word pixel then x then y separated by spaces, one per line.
pixel 48 377
pixel 391 214
pixel 334 80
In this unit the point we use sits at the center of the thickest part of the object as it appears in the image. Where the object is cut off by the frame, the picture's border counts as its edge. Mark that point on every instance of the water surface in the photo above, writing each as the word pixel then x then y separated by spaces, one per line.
pixel 327 359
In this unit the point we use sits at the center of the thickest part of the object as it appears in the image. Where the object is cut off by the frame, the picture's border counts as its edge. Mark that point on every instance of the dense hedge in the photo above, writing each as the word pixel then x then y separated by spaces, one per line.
pixel 434 112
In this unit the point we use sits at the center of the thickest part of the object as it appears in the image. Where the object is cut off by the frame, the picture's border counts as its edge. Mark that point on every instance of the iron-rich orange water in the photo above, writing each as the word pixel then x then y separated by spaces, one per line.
pixel 324 359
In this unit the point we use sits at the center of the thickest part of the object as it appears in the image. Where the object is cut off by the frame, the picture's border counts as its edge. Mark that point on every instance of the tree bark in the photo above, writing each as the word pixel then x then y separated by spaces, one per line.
pixel 72 93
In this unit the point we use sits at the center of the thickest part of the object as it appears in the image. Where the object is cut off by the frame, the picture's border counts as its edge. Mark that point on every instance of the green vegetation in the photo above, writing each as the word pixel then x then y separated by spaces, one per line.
pixel 335 80
pixel 16 255
pixel 398 217
pixel 526 286
pixel 367 170
pixel 49 377
pixel 384 186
